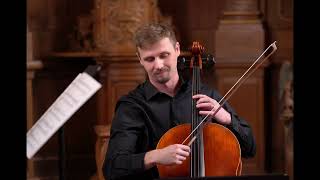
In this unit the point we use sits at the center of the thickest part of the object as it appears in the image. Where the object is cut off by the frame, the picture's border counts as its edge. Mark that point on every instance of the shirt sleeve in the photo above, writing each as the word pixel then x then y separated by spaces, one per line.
pixel 124 155
pixel 241 129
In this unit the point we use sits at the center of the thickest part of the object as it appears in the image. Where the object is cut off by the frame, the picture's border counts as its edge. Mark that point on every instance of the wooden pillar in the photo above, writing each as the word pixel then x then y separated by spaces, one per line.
pixel 240 31
pixel 240 39
pixel 279 20
pixel 32 67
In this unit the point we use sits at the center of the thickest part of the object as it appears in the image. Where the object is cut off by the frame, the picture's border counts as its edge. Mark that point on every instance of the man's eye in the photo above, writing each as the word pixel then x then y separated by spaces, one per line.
pixel 164 55
pixel 150 59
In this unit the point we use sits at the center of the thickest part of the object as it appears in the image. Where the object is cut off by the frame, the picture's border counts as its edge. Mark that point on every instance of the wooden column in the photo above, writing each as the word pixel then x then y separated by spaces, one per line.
pixel 240 31
pixel 279 20
pixel 32 67
pixel 239 41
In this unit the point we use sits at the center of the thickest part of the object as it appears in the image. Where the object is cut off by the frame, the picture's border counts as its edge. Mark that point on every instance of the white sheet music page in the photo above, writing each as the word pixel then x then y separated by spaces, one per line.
pixel 73 97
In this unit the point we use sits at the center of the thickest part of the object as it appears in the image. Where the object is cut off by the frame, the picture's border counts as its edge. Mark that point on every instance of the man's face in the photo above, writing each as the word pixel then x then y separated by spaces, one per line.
pixel 160 60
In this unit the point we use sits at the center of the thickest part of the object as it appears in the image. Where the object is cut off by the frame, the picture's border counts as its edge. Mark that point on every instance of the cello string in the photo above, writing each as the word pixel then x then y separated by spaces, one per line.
pixel 233 89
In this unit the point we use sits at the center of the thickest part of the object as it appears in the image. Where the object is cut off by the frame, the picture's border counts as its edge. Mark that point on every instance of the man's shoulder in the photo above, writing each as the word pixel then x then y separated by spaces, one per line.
pixel 135 95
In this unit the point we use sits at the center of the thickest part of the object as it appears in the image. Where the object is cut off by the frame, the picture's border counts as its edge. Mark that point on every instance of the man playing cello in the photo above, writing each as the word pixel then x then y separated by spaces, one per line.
pixel 160 103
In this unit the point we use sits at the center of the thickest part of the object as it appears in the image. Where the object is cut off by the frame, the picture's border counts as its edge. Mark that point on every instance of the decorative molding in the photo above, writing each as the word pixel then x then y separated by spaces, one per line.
pixel 34 65
pixel 246 11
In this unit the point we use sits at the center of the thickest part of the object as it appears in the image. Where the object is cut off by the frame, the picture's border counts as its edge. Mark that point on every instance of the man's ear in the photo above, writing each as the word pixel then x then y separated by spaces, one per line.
pixel 177 47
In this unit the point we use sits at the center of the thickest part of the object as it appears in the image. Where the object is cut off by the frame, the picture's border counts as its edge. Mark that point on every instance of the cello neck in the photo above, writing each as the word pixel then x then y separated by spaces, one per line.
pixel 197 150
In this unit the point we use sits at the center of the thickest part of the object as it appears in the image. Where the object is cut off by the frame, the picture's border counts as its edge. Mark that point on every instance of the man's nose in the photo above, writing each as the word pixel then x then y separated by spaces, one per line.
pixel 158 63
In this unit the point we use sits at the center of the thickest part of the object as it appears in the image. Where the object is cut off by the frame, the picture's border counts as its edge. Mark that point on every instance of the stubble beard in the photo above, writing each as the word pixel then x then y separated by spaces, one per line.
pixel 163 80
pixel 162 76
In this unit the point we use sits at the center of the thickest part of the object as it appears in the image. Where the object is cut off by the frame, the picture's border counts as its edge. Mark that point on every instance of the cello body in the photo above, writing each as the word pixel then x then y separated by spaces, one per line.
pixel 222 153
pixel 215 150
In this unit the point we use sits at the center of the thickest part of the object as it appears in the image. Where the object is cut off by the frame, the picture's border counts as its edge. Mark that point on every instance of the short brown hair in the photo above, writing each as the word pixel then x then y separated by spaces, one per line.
pixel 151 33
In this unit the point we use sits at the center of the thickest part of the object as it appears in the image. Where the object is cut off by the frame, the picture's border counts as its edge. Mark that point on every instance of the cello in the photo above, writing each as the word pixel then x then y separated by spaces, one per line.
pixel 215 150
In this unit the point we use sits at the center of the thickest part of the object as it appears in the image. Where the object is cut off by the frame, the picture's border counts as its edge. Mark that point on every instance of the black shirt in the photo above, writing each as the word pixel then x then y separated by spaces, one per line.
pixel 144 115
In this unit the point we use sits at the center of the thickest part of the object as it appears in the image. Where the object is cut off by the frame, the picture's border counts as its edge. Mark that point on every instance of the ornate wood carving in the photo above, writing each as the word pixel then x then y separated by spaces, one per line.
pixel 81 39
pixel 117 20
pixel 286 115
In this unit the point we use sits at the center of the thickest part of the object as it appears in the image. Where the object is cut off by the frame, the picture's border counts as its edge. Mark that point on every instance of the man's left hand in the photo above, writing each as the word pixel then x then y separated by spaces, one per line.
pixel 205 104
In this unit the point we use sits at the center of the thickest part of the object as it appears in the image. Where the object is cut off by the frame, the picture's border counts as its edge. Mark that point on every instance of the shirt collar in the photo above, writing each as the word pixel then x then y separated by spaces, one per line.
pixel 151 91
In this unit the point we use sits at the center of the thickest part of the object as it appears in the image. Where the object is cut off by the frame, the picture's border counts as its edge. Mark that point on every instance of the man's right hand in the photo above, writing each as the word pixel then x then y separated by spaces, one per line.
pixel 170 155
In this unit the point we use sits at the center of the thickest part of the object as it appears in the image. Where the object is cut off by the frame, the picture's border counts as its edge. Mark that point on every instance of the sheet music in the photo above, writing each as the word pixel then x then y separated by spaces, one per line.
pixel 73 97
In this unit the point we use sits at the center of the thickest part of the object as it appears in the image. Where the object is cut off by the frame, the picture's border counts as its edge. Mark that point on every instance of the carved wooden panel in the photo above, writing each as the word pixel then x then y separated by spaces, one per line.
pixel 116 22
pixel 248 102
pixel 245 41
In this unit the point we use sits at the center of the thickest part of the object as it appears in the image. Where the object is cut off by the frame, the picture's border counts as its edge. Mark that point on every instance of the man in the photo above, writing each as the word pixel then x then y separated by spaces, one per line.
pixel 160 103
